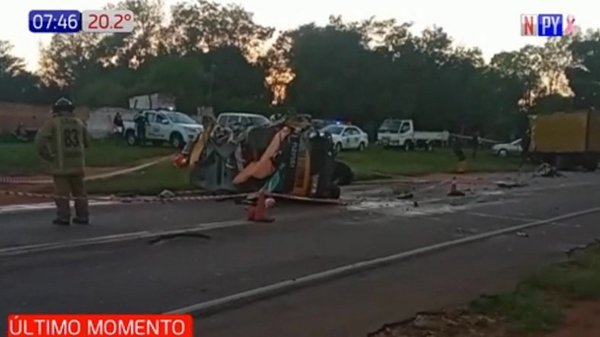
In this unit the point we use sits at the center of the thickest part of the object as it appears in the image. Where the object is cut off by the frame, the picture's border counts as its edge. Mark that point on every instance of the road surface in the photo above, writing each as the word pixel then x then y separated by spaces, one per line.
pixel 131 261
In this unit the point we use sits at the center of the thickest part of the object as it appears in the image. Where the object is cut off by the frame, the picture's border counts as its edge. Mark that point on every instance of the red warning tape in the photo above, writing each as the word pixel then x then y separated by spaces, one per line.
pixel 137 199
pixel 177 196
pixel 20 181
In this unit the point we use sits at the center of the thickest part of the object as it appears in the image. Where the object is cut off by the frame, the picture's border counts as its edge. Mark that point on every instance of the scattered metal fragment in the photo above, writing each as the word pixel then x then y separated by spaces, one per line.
pixel 510 184
pixel 163 238
pixel 522 234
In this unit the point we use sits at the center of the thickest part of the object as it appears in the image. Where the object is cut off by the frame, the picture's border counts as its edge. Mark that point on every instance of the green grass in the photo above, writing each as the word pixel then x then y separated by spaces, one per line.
pixel 538 302
pixel 374 163
pixel 153 180
pixel 382 162
pixel 21 158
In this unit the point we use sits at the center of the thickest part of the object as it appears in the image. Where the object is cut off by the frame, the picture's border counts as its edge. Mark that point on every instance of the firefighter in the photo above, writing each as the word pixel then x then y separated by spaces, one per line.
pixel 61 142
pixel 525 143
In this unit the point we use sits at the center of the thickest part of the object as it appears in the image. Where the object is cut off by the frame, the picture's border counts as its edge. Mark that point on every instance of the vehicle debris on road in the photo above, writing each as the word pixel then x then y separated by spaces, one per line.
pixel 547 171
pixel 510 184
pixel 522 234
pixel 406 195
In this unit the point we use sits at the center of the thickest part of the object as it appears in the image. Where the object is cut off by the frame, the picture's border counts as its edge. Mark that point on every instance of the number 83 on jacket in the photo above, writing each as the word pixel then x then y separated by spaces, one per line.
pixel 73 21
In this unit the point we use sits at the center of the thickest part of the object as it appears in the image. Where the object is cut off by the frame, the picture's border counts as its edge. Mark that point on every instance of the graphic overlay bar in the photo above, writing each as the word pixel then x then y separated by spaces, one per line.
pixel 108 21
pixel 54 21
pixel 165 325
pixel 548 25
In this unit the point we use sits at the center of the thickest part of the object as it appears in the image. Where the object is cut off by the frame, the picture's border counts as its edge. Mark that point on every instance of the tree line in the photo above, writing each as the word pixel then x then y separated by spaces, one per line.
pixel 211 54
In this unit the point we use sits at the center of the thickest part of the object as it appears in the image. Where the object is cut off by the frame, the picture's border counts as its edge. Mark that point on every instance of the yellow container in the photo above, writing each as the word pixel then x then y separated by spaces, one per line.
pixel 573 132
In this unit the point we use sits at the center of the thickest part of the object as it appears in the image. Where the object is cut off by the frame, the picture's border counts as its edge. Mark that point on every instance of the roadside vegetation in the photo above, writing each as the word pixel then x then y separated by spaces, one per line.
pixel 150 181
pixel 374 163
pixel 538 306
pixel 22 159
pixel 539 302
pixel 377 162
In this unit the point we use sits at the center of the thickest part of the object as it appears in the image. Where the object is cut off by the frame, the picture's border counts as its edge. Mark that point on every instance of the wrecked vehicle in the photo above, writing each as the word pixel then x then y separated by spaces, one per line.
pixel 289 156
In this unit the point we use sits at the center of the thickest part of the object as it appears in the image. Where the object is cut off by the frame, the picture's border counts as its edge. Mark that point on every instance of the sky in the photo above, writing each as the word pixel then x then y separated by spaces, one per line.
pixel 493 26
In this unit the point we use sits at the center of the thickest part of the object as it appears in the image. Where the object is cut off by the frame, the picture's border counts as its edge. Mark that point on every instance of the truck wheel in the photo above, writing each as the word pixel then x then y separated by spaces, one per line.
pixel 342 174
pixel 176 140
pixel 590 164
pixel 563 163
pixel 130 138
pixel 408 146
pixel 361 147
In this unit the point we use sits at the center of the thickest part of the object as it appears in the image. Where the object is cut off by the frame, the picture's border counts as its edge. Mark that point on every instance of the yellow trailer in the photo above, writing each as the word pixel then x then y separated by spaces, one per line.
pixel 566 139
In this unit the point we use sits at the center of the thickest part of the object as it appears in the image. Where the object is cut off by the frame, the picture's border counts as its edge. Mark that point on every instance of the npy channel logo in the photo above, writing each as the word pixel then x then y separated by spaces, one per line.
pixel 547 25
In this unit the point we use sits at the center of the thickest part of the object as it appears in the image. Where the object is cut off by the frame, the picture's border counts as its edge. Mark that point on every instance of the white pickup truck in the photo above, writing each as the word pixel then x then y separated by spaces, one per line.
pixel 164 126
pixel 401 133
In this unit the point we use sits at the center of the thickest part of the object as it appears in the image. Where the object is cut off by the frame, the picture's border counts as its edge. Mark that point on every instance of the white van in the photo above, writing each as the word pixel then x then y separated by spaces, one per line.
pixel 242 119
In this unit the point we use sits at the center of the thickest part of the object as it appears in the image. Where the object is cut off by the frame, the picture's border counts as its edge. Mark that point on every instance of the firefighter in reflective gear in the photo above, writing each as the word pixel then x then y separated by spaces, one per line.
pixel 61 142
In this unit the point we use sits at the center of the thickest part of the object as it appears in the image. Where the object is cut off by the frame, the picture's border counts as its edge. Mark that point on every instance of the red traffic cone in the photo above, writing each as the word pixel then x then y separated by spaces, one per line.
pixel 258 213
pixel 454 192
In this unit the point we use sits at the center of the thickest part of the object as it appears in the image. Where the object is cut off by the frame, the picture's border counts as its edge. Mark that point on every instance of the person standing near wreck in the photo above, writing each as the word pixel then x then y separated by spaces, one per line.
pixel 525 143
pixel 140 128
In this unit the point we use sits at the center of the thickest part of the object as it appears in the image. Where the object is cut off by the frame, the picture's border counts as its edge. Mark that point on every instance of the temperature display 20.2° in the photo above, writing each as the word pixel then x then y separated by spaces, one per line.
pixel 108 21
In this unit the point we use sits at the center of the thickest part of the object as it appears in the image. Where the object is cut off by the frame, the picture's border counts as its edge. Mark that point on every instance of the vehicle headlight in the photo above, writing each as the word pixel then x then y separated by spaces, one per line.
pixel 192 130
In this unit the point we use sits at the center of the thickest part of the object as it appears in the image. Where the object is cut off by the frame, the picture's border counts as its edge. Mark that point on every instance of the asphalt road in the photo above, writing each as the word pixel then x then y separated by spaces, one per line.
pixel 227 255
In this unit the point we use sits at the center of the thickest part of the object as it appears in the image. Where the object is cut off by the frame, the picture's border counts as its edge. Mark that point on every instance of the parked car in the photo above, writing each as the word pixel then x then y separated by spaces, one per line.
pixel 174 127
pixel 322 123
pixel 507 149
pixel 347 137
pixel 241 119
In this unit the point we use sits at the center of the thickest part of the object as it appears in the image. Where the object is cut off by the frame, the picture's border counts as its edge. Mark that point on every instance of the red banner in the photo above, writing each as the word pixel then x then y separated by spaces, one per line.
pixel 100 326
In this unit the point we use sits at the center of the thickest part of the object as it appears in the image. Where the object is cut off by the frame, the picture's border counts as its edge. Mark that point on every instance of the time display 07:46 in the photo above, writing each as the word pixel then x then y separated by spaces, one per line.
pixel 73 21
pixel 55 21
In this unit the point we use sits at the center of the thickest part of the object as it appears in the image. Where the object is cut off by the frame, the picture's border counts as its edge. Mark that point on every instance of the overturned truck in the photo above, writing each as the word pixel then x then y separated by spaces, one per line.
pixel 287 157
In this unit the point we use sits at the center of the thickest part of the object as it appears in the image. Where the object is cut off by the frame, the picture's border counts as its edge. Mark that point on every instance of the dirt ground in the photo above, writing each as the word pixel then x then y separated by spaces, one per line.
pixel 581 320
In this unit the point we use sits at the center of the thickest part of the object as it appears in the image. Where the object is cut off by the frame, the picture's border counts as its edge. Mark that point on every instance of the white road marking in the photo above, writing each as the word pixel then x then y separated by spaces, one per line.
pixel 122 237
pixel 48 246
pixel 243 297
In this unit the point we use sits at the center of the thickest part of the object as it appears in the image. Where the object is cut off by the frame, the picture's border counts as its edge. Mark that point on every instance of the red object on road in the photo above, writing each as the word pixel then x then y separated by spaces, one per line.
pixel 258 213
pixel 181 160
pixel 454 192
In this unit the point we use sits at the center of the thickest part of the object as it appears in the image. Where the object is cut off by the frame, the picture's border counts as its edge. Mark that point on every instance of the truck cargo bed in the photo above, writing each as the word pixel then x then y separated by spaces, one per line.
pixel 573 132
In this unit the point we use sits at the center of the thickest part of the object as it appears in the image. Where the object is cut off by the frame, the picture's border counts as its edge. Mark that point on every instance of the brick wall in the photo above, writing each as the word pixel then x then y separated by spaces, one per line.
pixel 32 116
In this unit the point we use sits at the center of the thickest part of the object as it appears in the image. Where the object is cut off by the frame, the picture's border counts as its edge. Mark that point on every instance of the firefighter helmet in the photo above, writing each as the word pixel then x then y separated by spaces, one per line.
pixel 63 105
